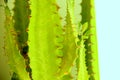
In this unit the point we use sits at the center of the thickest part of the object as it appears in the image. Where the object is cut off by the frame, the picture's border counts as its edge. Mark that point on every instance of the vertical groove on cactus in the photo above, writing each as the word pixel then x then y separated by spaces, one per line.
pixel 21 22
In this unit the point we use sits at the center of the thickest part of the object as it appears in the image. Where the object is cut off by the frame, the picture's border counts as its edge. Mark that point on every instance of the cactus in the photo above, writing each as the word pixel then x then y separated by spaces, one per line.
pixel 50 40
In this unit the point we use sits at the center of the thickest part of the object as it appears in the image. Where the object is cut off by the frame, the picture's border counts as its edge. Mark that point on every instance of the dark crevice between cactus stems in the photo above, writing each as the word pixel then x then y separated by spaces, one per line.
pixel 86 17
pixel 24 52
pixel 15 76
pixel 22 18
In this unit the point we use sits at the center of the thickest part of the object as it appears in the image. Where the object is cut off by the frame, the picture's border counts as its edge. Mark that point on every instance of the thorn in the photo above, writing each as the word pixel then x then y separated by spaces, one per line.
pixel 60 42
pixel 55 12
pixel 12 31
pixel 61 18
pixel 28 41
pixel 58 7
pixel 89 44
pixel 72 64
pixel 29 2
pixel 16 44
pixel 78 47
pixel 92 60
pixel 29 17
pixel 89 67
pixel 59 46
pixel 59 56
pixel 64 29
pixel 57 25
pixel 3 47
pixel 92 27
pixel 91 17
pixel 71 77
pixel 4 37
pixel 80 3
pixel 90 52
pixel 93 73
pixel 59 67
pixel 57 36
pixel 24 55
pixel 91 6
pixel 28 6
pixel 65 73
pixel 27 29
pixel 14 34
pixel 91 35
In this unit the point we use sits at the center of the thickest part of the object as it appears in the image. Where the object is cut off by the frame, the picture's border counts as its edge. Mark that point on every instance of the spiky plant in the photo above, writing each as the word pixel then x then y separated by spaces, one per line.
pixel 49 40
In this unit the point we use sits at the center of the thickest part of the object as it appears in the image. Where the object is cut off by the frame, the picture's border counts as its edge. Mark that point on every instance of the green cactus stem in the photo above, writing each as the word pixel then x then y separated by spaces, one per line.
pixel 50 40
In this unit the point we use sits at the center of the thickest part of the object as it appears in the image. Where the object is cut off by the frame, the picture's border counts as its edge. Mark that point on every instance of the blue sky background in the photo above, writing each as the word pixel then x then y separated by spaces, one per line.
pixel 108 30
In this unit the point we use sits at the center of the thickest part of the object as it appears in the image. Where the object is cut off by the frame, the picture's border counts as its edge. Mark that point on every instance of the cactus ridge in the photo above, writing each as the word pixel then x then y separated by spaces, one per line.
pixel 15 60
pixel 68 51
pixel 50 39
pixel 87 16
